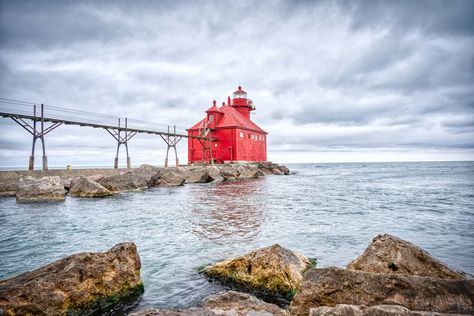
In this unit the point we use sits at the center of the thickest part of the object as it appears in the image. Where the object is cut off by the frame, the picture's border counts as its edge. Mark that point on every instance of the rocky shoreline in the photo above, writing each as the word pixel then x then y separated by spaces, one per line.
pixel 391 277
pixel 55 185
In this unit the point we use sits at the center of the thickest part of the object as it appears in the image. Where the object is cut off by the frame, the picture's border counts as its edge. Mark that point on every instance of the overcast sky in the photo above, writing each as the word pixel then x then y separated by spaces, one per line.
pixel 332 81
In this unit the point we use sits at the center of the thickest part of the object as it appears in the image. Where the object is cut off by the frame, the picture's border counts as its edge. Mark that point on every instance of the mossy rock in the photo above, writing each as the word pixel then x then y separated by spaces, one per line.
pixel 269 272
pixel 108 304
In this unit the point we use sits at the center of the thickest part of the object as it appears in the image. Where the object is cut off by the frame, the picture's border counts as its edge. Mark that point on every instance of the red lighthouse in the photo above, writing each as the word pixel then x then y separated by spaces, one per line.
pixel 232 136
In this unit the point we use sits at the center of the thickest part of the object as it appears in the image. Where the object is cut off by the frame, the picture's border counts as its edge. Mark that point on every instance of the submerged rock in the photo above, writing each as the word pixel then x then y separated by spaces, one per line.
pixel 236 303
pixel 39 190
pixel 274 270
pixel 377 310
pixel 225 303
pixel 79 284
pixel 332 286
pixel 389 254
pixel 83 187
pixel 128 181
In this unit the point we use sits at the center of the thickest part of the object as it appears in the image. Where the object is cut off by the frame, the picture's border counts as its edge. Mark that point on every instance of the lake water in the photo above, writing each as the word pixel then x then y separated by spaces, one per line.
pixel 327 211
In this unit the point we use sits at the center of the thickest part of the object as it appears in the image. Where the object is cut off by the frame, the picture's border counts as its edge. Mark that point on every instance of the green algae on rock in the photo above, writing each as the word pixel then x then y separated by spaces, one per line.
pixel 273 270
pixel 82 283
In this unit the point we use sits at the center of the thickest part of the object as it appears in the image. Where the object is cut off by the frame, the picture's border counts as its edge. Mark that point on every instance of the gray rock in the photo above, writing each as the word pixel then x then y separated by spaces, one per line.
pixel 127 181
pixel 214 174
pixel 332 286
pixel 390 254
pixel 196 175
pixel 249 172
pixel 38 190
pixel 8 187
pixel 80 284
pixel 277 171
pixel 83 187
pixel 169 178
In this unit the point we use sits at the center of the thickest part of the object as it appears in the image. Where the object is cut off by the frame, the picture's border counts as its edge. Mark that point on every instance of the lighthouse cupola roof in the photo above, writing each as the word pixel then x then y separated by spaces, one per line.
pixel 240 94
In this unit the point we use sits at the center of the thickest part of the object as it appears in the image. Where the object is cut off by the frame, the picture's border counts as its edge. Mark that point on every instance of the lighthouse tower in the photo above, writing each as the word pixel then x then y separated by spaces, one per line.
pixel 230 135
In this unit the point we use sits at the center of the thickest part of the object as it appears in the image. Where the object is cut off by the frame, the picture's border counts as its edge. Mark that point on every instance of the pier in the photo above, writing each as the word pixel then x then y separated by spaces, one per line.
pixel 41 119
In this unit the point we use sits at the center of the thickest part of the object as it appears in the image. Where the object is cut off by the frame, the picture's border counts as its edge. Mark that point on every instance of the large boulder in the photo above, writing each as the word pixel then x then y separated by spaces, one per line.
pixel 389 254
pixel 128 181
pixel 225 303
pixel 236 303
pixel 40 190
pixel 332 286
pixel 377 310
pixel 274 270
pixel 83 187
pixel 83 283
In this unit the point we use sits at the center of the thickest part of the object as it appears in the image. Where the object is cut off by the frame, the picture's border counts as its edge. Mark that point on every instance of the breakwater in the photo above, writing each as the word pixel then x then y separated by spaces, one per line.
pixel 30 186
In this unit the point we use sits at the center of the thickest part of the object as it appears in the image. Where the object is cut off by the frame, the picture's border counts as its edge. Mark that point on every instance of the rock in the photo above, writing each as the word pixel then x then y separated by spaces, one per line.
pixel 378 310
pixel 284 169
pixel 268 167
pixel 214 174
pixel 248 172
pixel 8 187
pixel 332 286
pixel 229 173
pixel 83 187
pixel 83 283
pixel 389 254
pixel 39 190
pixel 274 270
pixel 277 171
pixel 236 303
pixel 146 169
pixel 199 175
pixel 124 182
pixel 171 179
pixel 224 303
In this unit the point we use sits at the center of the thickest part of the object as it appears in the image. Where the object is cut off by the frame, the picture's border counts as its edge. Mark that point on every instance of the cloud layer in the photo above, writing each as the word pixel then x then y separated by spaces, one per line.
pixel 332 80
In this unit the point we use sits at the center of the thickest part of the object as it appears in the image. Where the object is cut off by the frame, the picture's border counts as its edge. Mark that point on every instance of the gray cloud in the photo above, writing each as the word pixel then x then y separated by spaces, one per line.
pixel 345 76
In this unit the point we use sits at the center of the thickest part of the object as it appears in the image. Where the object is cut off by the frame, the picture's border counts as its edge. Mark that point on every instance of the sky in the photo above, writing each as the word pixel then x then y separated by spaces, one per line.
pixel 332 81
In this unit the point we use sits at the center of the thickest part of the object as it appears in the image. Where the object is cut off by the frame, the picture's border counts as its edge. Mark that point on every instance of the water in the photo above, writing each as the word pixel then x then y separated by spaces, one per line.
pixel 327 211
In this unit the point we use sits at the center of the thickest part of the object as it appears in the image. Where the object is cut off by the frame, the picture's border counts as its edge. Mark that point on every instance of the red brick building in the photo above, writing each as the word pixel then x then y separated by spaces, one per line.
pixel 233 136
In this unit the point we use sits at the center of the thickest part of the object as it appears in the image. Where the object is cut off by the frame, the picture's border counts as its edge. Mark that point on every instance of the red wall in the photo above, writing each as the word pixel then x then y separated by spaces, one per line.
pixel 229 146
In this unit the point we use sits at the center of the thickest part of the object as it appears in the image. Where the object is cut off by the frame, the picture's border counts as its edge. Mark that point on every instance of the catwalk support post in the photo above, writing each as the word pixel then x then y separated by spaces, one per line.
pixel 37 134
pixel 122 135
pixel 171 140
